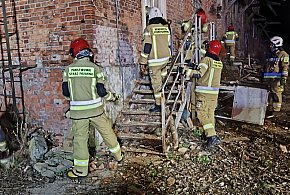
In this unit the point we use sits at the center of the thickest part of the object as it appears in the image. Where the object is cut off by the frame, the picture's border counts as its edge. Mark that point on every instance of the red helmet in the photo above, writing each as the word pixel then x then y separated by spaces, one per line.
pixel 215 47
pixel 202 15
pixel 77 45
pixel 231 28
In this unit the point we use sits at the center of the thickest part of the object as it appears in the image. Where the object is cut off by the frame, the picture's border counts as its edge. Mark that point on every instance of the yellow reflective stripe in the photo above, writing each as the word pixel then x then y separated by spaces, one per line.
pixel 229 41
pixel 71 89
pixel 85 107
pixel 155 47
pixel 206 91
pixel 146 33
pixel 164 72
pixel 144 55
pixel 65 74
pixel 110 97
pixel 203 65
pixel 85 102
pixel 277 105
pixel 208 126
pixel 210 77
pixel 158 62
pixel 285 73
pixel 286 59
pixel 115 149
pixel 189 72
pixel 157 95
pixel 100 75
pixel 3 144
pixel 93 88
pixel 81 163
pixel 231 33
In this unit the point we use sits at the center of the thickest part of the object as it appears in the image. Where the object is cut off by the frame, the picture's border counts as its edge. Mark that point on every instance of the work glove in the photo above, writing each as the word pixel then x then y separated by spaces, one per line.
pixel 143 70
pixel 193 66
pixel 283 81
pixel 116 98
pixel 194 70
pixel 195 74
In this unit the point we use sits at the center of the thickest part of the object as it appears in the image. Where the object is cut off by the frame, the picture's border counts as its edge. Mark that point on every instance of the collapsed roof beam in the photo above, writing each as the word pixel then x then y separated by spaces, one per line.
pixel 270 6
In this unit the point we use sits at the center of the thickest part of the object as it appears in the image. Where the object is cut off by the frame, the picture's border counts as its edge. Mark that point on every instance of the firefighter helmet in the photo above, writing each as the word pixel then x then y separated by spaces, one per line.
pixel 78 45
pixel 201 13
pixel 154 13
pixel 214 47
pixel 231 28
pixel 277 41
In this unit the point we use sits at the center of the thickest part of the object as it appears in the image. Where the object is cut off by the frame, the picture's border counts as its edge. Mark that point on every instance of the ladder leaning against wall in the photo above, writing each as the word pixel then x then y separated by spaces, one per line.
pixel 11 94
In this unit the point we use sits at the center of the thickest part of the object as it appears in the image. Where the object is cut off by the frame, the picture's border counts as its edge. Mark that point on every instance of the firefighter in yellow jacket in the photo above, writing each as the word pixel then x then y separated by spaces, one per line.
pixel 208 74
pixel 278 73
pixel 156 52
pixel 83 84
pixel 230 38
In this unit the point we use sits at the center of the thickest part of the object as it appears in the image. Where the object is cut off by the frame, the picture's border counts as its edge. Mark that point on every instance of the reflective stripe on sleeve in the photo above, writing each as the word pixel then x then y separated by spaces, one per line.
pixel 203 65
pixel 144 55
pixel 110 97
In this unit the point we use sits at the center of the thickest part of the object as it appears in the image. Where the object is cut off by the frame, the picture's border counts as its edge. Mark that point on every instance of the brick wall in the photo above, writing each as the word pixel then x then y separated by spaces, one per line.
pixel 114 30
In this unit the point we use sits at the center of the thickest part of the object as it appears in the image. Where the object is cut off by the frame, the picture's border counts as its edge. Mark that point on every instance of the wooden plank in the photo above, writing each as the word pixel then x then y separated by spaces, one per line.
pixel 142 150
pixel 144 124
pixel 142 136
pixel 148 91
pixel 140 112
pixel 150 101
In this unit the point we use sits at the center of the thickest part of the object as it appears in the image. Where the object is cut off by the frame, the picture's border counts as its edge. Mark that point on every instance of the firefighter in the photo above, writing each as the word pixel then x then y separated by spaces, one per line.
pixel 230 38
pixel 189 43
pixel 3 146
pixel 208 75
pixel 83 84
pixel 279 75
pixel 156 53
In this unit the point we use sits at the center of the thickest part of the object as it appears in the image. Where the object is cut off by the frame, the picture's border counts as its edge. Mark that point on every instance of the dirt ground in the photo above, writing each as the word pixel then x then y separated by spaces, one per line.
pixel 252 159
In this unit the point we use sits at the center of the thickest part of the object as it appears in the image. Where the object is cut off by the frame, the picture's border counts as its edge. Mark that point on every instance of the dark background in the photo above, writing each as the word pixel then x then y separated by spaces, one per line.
pixel 282 15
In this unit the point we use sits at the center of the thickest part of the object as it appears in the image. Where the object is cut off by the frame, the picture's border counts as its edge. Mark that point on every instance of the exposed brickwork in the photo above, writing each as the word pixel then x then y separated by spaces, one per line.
pixel 46 29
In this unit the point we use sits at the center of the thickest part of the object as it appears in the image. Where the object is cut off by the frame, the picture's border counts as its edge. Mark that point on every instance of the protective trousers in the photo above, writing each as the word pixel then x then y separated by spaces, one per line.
pixel 232 50
pixel 68 140
pixel 205 107
pixel 157 76
pixel 275 97
pixel 80 129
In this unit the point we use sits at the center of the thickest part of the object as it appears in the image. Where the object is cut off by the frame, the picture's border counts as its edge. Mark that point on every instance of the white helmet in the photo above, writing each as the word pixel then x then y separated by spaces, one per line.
pixel 154 12
pixel 277 41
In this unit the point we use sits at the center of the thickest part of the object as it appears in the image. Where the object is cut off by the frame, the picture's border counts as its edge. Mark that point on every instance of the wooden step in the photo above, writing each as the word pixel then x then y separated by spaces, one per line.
pixel 148 91
pixel 141 136
pixel 140 112
pixel 139 124
pixel 147 82
pixel 149 101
